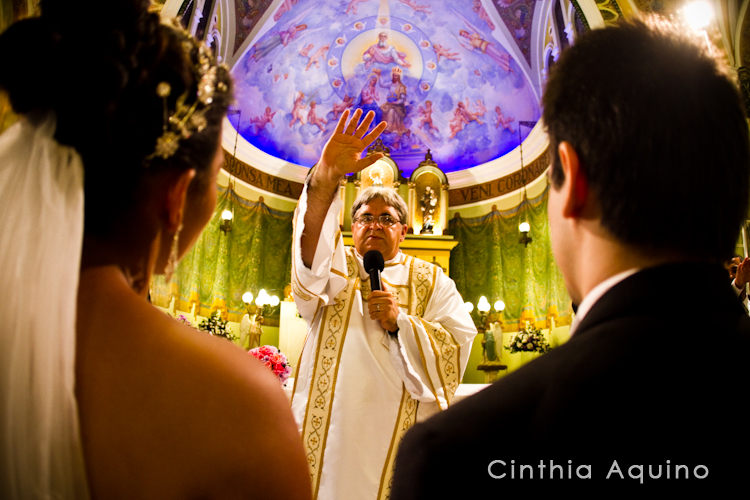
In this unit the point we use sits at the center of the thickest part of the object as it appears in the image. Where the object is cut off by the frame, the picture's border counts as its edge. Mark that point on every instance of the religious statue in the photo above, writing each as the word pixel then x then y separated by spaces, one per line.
pixel 428 204
pixel 251 330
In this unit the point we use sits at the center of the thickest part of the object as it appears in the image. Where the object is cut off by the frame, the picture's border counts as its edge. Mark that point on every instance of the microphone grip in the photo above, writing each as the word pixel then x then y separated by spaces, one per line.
pixel 374 279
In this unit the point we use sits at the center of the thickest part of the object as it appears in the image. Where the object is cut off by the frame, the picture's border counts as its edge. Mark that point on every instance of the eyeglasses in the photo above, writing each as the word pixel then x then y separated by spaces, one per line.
pixel 384 220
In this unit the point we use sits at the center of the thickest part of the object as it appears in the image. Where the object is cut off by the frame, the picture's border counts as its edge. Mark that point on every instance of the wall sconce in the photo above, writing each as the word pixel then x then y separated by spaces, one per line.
pixel 524 229
pixel 226 221
pixel 486 318
pixel 499 306
pixel 265 302
pixel 251 325
pixel 491 363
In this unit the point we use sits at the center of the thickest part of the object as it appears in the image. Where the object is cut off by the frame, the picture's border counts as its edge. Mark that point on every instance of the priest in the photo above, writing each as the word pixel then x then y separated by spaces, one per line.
pixel 375 361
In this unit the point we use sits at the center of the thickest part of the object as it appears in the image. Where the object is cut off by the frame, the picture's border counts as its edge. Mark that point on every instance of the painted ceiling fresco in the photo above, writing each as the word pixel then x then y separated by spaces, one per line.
pixel 436 71
pixel 248 14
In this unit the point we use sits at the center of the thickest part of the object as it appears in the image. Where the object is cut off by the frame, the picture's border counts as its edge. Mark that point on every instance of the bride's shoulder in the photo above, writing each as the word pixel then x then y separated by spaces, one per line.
pixel 144 378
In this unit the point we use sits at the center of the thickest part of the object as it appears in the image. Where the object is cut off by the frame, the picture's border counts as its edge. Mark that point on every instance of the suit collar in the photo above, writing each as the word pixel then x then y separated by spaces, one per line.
pixel 595 294
pixel 661 291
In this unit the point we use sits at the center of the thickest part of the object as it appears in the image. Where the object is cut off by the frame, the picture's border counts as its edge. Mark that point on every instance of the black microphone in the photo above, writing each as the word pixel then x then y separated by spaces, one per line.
pixel 374 264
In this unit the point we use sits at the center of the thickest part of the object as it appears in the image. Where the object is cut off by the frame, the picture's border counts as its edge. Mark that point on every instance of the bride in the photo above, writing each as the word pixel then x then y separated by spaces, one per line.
pixel 107 179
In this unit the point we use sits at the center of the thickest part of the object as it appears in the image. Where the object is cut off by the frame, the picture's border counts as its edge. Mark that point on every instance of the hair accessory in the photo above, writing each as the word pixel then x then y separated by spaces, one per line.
pixel 186 119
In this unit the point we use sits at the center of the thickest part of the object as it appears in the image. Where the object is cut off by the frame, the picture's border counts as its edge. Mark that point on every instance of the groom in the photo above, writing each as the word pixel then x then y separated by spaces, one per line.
pixel 649 187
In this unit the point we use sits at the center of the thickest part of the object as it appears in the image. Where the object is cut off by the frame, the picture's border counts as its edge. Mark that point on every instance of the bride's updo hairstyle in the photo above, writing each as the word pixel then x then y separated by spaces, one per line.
pixel 134 96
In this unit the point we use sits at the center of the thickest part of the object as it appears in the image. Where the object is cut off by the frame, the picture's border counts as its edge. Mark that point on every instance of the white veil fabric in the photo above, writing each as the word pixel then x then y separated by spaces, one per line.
pixel 41 216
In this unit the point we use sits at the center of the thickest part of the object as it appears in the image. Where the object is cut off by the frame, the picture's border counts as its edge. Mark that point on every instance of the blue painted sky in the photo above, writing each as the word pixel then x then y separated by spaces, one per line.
pixel 314 60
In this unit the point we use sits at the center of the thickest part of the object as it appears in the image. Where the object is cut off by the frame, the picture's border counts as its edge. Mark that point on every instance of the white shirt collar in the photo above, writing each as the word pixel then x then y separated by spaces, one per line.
pixel 363 274
pixel 595 294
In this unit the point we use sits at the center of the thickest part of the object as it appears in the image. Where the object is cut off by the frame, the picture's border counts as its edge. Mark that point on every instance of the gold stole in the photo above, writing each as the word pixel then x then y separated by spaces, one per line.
pixel 330 341
pixel 422 276
pixel 333 327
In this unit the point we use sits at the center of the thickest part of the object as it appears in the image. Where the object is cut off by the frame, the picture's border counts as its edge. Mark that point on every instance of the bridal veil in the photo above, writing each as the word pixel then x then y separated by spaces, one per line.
pixel 41 215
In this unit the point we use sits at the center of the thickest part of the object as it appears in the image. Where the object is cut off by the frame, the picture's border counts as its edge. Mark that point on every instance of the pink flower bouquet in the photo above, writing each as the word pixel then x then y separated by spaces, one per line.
pixel 274 359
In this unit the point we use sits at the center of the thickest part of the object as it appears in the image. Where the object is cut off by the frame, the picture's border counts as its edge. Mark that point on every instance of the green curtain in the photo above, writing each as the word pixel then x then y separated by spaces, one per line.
pixel 489 260
pixel 220 267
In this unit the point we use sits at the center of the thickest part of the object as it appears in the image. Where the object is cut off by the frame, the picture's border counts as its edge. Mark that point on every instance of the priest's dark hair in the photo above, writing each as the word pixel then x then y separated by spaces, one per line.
pixel 660 133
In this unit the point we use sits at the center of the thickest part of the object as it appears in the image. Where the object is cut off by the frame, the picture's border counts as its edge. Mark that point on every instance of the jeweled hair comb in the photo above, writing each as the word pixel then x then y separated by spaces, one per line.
pixel 186 119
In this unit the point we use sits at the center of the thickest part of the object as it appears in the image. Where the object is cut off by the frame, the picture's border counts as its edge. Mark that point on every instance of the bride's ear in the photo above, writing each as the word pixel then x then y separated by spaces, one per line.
pixel 176 198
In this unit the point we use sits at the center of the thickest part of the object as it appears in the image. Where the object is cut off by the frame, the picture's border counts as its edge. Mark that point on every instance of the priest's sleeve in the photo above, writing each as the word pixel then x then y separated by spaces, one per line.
pixel 317 286
pixel 431 351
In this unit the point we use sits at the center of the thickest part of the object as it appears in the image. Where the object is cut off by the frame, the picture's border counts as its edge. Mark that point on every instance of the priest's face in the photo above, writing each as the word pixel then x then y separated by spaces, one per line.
pixel 377 234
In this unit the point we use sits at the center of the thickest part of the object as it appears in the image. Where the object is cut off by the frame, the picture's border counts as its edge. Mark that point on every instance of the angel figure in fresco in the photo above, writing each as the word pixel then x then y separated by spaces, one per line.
pixel 305 51
pixel 351 8
pixel 480 109
pixel 283 36
pixel 315 58
pixel 505 121
pixel 482 13
pixel 462 116
pixel 298 110
pixel 384 53
pixel 445 52
pixel 475 42
pixel 416 7
pixel 472 40
pixel 339 107
pixel 425 117
pixel 313 119
pixel 276 39
pixel 286 6
pixel 261 121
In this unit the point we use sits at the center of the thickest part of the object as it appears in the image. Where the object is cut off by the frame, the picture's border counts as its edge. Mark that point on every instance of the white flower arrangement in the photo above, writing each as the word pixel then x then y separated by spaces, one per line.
pixel 530 339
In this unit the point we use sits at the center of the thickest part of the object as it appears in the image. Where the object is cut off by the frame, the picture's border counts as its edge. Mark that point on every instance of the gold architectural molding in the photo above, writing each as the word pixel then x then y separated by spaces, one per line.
pixel 260 179
pixel 503 185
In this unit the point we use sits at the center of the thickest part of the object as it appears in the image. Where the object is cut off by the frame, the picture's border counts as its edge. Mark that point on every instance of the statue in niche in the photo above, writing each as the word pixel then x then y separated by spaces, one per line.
pixel 428 204
pixel 376 175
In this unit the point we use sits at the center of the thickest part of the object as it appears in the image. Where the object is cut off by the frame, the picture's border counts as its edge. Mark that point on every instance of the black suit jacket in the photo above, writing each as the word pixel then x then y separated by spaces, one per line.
pixel 657 374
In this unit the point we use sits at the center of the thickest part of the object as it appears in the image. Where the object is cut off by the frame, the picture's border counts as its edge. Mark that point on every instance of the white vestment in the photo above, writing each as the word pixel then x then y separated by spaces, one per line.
pixel 357 389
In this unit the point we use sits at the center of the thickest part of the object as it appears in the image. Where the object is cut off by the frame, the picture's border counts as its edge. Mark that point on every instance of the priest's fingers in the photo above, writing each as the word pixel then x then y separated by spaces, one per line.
pixel 367 161
pixel 374 133
pixel 342 122
pixel 362 127
pixel 352 126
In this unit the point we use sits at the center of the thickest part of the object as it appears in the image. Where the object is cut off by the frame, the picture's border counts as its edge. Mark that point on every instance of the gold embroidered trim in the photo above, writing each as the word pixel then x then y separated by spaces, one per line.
pixel 339 273
pixel 407 416
pixel 422 280
pixel 447 358
pixel 424 361
pixel 317 419
pixel 401 291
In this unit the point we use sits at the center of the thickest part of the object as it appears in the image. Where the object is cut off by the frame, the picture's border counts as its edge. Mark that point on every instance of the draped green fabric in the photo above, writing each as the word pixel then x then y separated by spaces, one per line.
pixel 220 267
pixel 256 253
pixel 489 260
